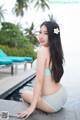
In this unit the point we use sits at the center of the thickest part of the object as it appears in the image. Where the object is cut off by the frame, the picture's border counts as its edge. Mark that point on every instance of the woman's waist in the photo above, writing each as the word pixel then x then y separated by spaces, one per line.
pixel 51 89
pixel 47 90
pixel 45 93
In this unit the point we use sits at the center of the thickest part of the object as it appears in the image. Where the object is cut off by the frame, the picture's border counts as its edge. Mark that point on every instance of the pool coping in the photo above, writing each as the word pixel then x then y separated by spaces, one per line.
pixel 10 84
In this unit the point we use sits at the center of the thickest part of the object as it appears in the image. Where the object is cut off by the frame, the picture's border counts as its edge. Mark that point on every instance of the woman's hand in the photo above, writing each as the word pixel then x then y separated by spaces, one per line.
pixel 27 112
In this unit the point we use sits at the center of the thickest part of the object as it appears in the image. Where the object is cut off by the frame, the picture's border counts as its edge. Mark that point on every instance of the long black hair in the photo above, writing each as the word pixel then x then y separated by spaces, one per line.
pixel 55 48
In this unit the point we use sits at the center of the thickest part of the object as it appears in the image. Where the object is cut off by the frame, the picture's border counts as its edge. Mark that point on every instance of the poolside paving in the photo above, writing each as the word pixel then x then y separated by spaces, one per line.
pixel 66 113
pixel 70 111
pixel 8 84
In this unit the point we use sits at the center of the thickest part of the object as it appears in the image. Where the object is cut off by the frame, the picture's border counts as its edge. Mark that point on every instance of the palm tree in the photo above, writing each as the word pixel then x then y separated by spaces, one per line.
pixel 2 11
pixel 42 3
pixel 31 33
pixel 21 4
pixel 51 17
pixel 19 11
pixel 19 7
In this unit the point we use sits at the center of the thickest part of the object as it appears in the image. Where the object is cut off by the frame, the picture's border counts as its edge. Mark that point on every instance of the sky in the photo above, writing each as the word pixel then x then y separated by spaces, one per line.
pixel 66 13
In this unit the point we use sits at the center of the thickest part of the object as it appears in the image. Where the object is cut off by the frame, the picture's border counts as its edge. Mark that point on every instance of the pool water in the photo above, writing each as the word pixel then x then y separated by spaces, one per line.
pixel 17 94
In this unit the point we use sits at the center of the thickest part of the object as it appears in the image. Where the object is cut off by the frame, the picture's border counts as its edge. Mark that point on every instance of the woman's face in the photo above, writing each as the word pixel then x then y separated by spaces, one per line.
pixel 43 36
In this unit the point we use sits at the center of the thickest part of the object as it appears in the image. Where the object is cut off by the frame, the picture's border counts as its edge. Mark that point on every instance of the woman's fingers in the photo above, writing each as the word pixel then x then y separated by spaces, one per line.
pixel 26 113
pixel 23 114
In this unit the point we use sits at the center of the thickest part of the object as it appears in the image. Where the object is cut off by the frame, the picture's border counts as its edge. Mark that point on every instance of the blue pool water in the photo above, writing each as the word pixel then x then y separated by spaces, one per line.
pixel 17 94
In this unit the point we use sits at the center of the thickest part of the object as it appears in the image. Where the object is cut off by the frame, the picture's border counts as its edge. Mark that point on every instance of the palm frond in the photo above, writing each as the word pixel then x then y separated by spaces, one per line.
pixel 42 3
pixel 2 12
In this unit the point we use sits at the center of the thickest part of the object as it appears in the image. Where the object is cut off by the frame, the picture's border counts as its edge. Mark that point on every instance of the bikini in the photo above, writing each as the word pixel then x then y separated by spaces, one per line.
pixel 47 71
pixel 56 100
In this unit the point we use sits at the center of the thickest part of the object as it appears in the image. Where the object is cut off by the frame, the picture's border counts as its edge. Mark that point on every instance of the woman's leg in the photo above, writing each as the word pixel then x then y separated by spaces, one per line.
pixel 27 96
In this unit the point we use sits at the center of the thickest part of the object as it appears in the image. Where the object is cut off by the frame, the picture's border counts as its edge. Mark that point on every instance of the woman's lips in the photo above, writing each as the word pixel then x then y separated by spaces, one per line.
pixel 41 40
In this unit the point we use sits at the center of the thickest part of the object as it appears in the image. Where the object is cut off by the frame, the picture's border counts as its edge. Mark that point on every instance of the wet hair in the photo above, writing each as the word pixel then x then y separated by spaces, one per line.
pixel 55 48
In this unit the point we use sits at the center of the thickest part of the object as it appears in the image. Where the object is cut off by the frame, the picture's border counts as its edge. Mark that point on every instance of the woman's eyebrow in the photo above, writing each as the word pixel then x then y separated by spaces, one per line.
pixel 45 31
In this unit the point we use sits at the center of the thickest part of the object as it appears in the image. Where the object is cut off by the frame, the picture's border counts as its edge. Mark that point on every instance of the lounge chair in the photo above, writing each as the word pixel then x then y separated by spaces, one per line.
pixel 4 63
pixel 17 60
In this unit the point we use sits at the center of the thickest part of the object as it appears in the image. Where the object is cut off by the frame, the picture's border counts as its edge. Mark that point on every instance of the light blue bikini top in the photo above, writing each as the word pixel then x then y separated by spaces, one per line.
pixel 47 71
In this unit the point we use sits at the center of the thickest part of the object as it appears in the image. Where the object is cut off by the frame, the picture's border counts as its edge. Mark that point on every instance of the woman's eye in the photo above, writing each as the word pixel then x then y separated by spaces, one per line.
pixel 46 33
pixel 43 33
pixel 39 32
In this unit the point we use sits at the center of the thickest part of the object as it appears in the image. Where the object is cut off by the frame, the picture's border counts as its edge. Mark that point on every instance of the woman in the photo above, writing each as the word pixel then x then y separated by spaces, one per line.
pixel 48 95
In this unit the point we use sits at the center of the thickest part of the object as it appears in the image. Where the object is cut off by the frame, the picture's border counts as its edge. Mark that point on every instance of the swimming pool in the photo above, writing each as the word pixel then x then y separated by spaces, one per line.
pixel 16 95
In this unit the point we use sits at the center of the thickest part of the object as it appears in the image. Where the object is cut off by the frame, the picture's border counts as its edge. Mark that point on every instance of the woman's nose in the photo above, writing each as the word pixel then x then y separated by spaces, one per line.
pixel 41 35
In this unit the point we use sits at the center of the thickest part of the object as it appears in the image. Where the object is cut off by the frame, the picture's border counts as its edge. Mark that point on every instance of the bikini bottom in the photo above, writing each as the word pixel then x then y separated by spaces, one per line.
pixel 56 100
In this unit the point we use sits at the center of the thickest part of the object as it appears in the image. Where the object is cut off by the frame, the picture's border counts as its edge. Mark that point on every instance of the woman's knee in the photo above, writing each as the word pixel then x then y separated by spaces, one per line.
pixel 23 95
pixel 27 96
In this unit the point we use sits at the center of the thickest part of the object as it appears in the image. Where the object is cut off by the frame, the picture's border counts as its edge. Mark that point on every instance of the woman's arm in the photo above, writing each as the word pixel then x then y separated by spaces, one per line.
pixel 39 77
pixel 41 59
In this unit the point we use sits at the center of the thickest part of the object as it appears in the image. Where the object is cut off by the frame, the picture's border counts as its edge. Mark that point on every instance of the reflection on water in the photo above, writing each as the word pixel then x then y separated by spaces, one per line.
pixel 17 94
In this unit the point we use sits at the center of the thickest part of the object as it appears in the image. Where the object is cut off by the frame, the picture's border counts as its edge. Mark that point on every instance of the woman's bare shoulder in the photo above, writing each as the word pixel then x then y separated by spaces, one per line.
pixel 43 50
pixel 42 53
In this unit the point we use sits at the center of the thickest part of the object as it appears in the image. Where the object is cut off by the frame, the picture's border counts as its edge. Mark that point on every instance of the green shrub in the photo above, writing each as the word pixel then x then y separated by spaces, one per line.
pixel 28 52
pixel 12 36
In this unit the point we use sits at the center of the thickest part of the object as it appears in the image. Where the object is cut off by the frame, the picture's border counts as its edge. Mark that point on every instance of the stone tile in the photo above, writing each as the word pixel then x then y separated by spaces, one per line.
pixel 13 81
pixel 66 113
